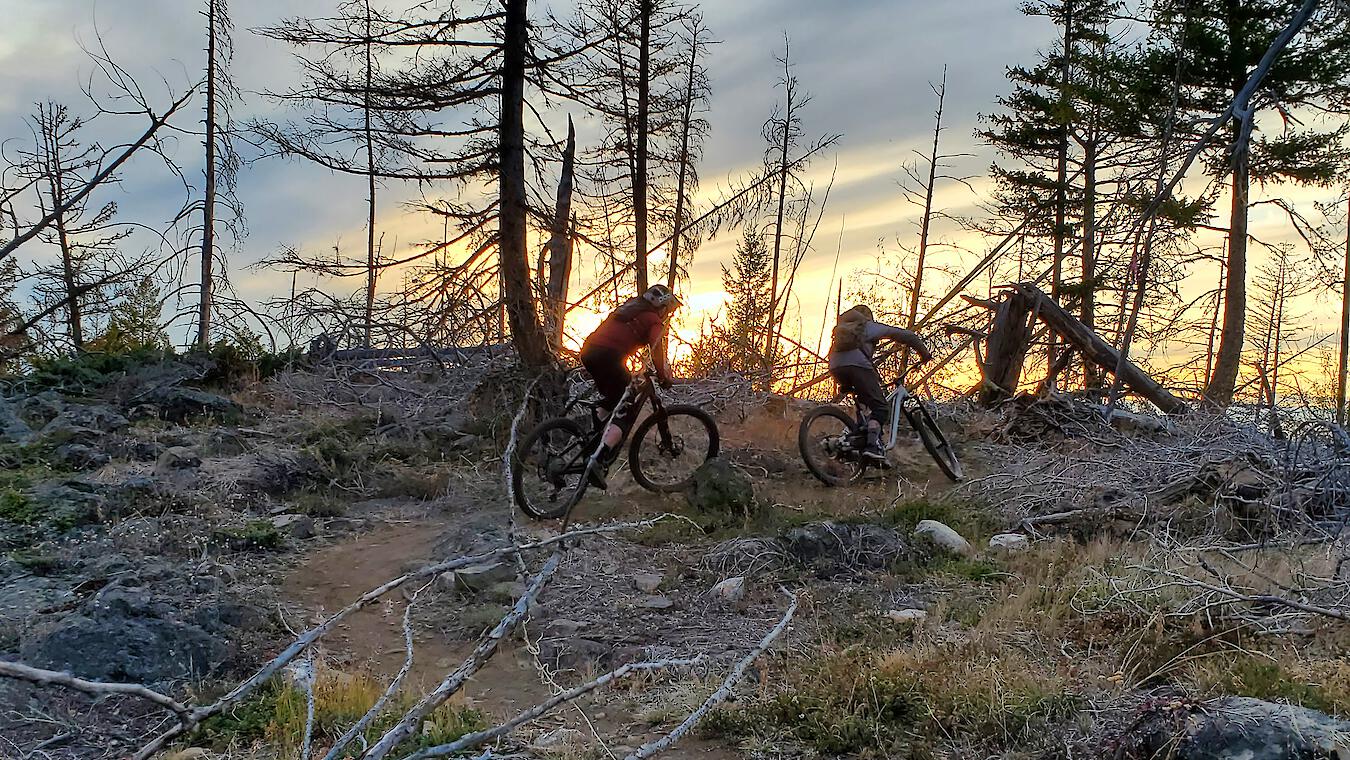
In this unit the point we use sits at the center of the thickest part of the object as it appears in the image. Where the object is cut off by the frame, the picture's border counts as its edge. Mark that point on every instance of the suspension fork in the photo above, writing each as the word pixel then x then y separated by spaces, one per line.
pixel 897 399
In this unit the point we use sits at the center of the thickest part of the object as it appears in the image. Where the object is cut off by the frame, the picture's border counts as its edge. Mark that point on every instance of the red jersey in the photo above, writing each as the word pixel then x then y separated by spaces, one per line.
pixel 644 329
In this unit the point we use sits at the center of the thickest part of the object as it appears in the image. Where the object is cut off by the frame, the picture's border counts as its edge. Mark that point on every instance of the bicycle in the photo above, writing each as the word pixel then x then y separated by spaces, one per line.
pixel 832 443
pixel 551 468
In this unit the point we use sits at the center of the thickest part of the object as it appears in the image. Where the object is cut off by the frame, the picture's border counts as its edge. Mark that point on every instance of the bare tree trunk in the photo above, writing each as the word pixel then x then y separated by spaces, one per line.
pixel 560 245
pixel 209 203
pixel 517 298
pixel 56 179
pixel 1219 390
pixel 1214 319
pixel 1341 370
pixel 372 271
pixel 770 339
pixel 686 125
pixel 927 218
pixel 640 174
pixel 1087 312
pixel 1061 196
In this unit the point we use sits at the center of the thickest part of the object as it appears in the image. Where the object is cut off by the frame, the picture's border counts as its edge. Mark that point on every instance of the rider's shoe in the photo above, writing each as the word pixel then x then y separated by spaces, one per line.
pixel 874 454
pixel 598 467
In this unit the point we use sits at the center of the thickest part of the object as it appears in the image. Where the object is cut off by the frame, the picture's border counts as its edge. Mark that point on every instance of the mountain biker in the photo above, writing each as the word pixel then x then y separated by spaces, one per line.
pixel 853 343
pixel 643 320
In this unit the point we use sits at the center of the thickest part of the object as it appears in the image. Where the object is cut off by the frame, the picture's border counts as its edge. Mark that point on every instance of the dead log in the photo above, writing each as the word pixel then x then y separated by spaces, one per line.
pixel 1006 350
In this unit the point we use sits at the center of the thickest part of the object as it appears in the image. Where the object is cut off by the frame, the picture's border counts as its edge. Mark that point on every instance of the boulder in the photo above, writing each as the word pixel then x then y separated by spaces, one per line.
pixel 721 487
pixel 1235 728
pixel 12 427
pixel 943 537
pixel 831 548
pixel 658 603
pixel 647 582
pixel 906 616
pixel 730 590
pixel 127 636
pixel 98 417
pixel 294 525
pixel 40 409
pixel 176 458
pixel 78 456
pixel 1010 543
pixel 179 404
pixel 477 578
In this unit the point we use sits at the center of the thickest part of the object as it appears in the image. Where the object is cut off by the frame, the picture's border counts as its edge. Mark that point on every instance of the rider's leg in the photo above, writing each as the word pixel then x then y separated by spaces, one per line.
pixel 611 380
pixel 868 388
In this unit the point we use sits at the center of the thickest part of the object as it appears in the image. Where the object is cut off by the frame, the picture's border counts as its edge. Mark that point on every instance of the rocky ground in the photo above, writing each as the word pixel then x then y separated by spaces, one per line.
pixel 173 527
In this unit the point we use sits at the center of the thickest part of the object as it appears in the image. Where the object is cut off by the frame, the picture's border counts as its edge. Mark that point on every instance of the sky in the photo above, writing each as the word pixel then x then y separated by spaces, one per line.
pixel 867 65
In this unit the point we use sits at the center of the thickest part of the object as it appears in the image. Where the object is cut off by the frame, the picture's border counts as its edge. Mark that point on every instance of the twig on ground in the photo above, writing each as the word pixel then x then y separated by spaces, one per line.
pixel 721 695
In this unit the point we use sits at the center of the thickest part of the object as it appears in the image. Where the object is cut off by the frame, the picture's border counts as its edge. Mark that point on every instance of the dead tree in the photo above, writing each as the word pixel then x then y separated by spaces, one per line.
pixel 560 245
pixel 693 131
pixel 222 161
pixel 1344 354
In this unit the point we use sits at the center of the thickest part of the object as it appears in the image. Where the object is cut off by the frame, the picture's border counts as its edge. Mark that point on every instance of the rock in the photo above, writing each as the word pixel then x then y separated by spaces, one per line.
pixel 59 432
pixel 560 740
pixel 1010 542
pixel 906 616
pixel 648 583
pixel 98 417
pixel 12 427
pixel 179 404
pixel 730 590
pixel 658 603
pixel 1235 728
pixel 71 504
pixel 40 409
pixel 943 537
pixel 128 638
pixel 832 548
pixel 191 753
pixel 478 578
pixel 564 627
pixel 293 525
pixel 507 592
pixel 176 458
pixel 78 456
pixel 720 487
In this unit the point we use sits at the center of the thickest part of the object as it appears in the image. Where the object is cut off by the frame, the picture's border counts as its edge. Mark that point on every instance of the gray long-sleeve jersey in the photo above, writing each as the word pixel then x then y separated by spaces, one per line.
pixel 873 332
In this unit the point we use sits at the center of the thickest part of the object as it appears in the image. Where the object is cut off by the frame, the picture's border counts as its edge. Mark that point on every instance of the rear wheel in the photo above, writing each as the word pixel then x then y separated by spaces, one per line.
pixel 548 469
pixel 825 439
pixel 934 440
pixel 670 445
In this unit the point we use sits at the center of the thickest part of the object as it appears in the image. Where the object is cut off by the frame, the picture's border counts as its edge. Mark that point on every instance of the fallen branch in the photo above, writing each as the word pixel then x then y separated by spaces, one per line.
pixel 56 678
pixel 543 708
pixel 375 709
pixel 719 696
pixel 191 719
pixel 452 683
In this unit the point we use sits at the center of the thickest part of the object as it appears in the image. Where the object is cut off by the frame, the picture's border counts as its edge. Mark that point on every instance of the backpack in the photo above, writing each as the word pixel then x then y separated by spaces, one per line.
pixel 632 308
pixel 848 335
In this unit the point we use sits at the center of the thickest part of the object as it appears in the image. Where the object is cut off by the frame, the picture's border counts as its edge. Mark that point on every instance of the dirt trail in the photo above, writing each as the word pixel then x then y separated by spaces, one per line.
pixel 371 639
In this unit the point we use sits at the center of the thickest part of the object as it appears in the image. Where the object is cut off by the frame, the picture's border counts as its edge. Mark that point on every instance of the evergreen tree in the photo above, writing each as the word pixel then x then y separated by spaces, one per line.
pixel 747 282
pixel 1221 44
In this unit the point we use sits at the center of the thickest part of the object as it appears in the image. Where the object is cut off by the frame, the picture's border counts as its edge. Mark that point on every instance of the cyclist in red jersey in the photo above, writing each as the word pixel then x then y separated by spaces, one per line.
pixel 642 321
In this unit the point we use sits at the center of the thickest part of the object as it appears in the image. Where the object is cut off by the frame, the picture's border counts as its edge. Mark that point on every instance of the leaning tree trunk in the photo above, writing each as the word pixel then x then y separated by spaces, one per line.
pixel 560 246
pixel 526 333
pixel 926 223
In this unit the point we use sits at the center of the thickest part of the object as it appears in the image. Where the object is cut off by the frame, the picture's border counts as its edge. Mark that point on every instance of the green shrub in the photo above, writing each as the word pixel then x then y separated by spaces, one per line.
pixel 256 534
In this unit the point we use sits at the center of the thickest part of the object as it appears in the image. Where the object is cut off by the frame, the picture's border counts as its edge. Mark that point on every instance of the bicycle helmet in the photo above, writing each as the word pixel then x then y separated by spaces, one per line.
pixel 661 297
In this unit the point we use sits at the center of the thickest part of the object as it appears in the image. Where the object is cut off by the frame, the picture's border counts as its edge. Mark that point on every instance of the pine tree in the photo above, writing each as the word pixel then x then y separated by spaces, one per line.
pixel 1221 43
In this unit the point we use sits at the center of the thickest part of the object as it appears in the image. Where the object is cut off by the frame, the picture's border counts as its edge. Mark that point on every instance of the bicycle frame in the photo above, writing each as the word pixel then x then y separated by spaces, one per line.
pixel 898 399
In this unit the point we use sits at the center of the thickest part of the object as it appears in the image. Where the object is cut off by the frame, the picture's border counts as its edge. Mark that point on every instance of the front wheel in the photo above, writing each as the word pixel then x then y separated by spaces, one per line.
pixel 548 469
pixel 670 445
pixel 933 440
pixel 826 439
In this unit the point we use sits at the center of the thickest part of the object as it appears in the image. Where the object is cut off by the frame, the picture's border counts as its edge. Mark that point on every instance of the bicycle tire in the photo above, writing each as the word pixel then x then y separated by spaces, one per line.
pixel 645 477
pixel 519 469
pixel 826 469
pixel 935 441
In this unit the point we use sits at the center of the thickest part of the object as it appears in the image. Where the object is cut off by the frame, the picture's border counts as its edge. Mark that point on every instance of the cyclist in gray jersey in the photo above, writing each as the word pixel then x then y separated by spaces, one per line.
pixel 855 342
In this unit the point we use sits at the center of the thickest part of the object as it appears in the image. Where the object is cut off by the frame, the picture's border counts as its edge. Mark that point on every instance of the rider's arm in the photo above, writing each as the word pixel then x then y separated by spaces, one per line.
pixel 659 340
pixel 905 337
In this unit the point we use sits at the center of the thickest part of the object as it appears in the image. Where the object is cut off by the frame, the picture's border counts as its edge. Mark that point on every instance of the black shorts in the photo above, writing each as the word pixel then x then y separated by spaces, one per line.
pixel 609 372
pixel 865 383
